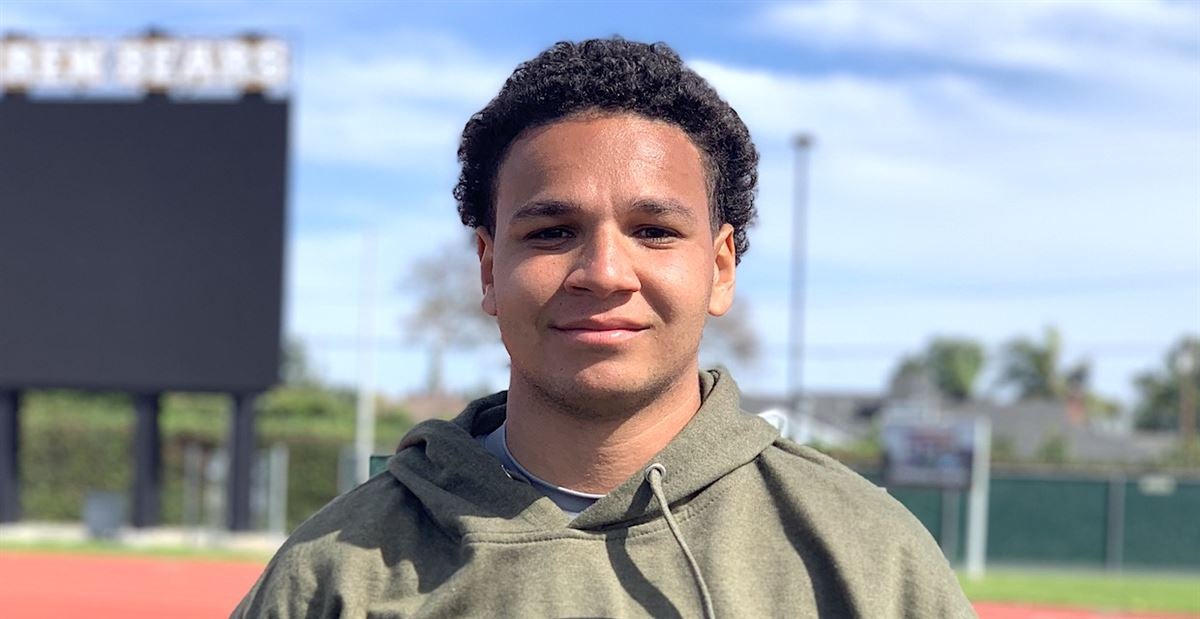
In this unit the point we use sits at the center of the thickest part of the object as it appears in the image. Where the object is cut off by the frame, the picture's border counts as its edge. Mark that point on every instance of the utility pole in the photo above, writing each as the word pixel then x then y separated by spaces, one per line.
pixel 1185 365
pixel 803 144
pixel 364 427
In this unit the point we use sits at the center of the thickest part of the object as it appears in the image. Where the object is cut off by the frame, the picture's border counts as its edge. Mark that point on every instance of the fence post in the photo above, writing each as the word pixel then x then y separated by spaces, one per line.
pixel 949 529
pixel 277 485
pixel 193 484
pixel 977 500
pixel 1114 540
pixel 216 491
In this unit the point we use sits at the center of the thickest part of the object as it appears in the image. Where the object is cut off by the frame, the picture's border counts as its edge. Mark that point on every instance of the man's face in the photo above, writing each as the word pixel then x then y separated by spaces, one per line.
pixel 604 265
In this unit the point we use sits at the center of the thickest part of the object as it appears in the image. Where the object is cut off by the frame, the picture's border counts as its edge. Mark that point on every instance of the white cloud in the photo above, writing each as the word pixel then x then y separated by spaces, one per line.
pixel 397 101
pixel 326 277
pixel 941 176
pixel 326 266
pixel 909 172
pixel 1099 39
pixel 394 103
pixel 954 176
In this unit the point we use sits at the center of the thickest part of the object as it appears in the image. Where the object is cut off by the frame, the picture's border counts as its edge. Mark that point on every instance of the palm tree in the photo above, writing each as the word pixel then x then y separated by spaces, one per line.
pixel 1164 391
pixel 949 365
pixel 955 364
pixel 1032 368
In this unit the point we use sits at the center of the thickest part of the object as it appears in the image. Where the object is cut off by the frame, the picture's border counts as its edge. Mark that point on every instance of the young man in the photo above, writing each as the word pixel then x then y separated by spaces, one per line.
pixel 610 189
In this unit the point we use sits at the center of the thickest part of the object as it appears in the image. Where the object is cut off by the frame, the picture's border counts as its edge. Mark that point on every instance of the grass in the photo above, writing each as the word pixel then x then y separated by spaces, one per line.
pixel 116 548
pixel 1133 592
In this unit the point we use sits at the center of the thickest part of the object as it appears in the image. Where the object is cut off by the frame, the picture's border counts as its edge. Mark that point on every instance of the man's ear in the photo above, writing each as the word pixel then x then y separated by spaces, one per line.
pixel 724 271
pixel 484 248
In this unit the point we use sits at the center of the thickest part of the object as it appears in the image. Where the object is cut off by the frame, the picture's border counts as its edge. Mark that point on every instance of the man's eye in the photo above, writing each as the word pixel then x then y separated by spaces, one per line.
pixel 656 234
pixel 550 234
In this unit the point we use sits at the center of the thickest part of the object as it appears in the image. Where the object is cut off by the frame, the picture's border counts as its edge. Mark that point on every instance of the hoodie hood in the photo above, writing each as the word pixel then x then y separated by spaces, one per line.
pixel 465 489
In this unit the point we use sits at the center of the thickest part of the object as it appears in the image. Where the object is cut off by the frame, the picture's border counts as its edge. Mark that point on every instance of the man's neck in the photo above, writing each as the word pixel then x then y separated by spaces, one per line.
pixel 594 453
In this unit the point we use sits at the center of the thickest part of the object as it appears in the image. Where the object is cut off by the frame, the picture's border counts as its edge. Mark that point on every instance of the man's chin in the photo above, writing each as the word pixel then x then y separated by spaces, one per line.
pixel 603 389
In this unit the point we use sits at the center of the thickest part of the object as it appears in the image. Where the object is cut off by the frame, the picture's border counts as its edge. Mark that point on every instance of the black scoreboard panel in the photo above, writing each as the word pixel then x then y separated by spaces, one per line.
pixel 141 243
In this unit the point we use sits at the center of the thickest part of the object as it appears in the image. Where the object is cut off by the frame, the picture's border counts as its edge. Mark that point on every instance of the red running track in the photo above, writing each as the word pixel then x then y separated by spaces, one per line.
pixel 50 585
pixel 45 585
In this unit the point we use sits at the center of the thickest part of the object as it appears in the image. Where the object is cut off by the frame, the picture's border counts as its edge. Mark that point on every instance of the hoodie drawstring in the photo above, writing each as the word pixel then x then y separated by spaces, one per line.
pixel 654 476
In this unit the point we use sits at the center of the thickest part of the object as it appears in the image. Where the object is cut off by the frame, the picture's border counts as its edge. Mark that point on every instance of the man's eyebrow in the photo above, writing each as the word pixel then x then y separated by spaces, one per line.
pixel 543 208
pixel 554 208
pixel 665 207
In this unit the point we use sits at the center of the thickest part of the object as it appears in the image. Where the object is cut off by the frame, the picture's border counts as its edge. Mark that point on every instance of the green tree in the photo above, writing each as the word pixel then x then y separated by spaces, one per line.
pixel 1035 371
pixel 951 364
pixel 447 314
pixel 295 366
pixel 955 364
pixel 1032 367
pixel 1160 390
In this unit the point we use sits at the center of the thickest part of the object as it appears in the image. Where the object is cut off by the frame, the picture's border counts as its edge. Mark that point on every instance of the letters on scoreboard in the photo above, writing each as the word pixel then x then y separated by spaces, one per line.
pixel 152 62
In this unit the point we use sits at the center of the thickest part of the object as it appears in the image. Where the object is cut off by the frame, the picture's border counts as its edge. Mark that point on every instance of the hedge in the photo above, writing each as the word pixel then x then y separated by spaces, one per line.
pixel 73 443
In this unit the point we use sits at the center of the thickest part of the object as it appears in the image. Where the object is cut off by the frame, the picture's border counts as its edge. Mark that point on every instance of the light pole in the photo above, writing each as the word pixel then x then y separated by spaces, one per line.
pixel 1185 364
pixel 803 144
pixel 364 419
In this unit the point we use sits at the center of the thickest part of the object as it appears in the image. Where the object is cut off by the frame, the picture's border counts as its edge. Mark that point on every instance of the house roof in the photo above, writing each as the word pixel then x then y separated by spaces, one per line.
pixel 1026 426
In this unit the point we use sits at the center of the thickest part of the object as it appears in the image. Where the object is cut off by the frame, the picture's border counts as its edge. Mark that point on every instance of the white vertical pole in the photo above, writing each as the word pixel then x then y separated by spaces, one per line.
pixel 795 359
pixel 977 501
pixel 364 430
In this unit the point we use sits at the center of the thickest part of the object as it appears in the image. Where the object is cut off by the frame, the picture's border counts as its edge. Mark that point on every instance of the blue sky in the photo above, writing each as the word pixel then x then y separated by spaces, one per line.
pixel 981 169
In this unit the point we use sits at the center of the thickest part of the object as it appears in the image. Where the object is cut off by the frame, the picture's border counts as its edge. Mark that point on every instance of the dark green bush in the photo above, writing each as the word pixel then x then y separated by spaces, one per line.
pixel 73 442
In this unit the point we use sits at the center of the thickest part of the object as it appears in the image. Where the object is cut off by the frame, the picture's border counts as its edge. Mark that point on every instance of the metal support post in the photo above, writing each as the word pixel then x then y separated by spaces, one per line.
pixel 241 456
pixel 147 462
pixel 795 357
pixel 949 529
pixel 193 484
pixel 10 443
pixel 364 424
pixel 977 500
pixel 1114 546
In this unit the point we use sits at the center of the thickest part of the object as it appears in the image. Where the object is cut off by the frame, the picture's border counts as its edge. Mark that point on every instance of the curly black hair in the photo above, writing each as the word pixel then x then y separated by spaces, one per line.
pixel 611 75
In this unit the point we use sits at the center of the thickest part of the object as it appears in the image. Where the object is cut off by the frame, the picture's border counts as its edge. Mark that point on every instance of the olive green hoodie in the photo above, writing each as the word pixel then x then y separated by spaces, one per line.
pixel 757 526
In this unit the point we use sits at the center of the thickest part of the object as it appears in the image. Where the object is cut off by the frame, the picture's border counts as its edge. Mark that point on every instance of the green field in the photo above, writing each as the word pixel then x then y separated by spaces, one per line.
pixel 1136 592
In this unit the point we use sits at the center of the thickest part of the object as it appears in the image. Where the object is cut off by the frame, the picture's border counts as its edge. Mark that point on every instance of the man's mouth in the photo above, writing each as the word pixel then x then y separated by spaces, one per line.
pixel 600 331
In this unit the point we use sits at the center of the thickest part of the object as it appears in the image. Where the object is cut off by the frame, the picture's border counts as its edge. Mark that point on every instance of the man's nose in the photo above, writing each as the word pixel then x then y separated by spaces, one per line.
pixel 604 266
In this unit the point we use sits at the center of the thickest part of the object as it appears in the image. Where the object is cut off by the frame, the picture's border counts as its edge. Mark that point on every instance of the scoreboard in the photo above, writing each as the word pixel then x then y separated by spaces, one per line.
pixel 141 242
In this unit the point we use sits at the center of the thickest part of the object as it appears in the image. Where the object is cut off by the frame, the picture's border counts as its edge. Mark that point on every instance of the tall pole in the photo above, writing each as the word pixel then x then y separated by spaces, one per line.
pixel 147 461
pixel 1185 365
pixel 241 459
pixel 364 432
pixel 978 499
pixel 803 145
